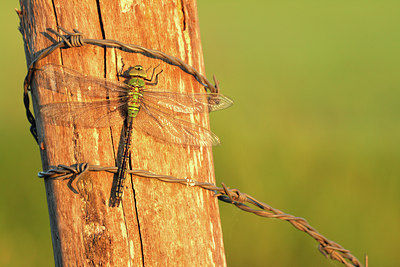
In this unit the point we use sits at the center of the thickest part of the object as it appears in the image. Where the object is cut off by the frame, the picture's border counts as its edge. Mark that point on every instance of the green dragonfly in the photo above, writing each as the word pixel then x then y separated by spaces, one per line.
pixel 92 102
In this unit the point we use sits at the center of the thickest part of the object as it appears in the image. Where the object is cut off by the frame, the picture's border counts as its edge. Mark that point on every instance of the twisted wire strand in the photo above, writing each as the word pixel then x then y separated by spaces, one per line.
pixel 75 39
pixel 327 247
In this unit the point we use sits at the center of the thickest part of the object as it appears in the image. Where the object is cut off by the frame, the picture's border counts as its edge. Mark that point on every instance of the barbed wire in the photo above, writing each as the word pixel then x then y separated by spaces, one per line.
pixel 328 248
pixel 75 39
pixel 233 196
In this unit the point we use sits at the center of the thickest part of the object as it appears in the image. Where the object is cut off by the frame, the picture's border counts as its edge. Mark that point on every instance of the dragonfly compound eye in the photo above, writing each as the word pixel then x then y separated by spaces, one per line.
pixel 137 71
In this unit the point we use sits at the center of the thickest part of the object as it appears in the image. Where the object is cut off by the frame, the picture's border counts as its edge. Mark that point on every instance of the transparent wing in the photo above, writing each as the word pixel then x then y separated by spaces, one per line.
pixel 64 80
pixel 187 102
pixel 93 114
pixel 162 126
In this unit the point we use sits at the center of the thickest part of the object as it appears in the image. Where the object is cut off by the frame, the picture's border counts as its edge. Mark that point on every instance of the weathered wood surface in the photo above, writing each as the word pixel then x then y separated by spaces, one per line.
pixel 157 223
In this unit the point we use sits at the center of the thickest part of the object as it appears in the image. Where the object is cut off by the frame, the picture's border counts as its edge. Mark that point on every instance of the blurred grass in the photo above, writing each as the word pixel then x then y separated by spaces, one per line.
pixel 315 127
pixel 24 225
pixel 314 130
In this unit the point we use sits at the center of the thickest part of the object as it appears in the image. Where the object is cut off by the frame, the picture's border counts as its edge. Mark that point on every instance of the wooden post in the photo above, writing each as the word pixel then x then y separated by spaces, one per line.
pixel 157 223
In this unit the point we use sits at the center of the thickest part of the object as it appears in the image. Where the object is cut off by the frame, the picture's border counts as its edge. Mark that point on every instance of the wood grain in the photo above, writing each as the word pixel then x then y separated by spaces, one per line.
pixel 157 223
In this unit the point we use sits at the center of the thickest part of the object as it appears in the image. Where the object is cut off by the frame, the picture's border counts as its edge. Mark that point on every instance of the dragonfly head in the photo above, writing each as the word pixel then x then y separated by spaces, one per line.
pixel 137 71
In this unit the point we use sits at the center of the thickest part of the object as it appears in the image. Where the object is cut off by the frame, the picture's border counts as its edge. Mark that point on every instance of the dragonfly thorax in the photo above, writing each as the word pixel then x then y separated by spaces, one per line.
pixel 136 82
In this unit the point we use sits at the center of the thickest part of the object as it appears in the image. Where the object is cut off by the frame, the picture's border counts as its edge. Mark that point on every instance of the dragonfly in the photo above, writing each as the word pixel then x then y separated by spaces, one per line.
pixel 93 102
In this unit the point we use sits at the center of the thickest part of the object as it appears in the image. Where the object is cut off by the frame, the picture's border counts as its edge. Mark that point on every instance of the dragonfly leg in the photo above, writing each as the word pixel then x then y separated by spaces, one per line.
pixel 153 70
pixel 121 71
pixel 152 75
pixel 154 81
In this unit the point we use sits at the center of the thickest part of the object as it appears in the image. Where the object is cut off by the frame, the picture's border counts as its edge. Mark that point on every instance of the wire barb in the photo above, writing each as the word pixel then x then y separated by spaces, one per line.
pixel 233 196
pixel 71 39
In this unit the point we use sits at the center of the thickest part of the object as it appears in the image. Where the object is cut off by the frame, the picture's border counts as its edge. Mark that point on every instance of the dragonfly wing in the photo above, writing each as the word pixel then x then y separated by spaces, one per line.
pixel 187 102
pixel 171 129
pixel 93 114
pixel 67 81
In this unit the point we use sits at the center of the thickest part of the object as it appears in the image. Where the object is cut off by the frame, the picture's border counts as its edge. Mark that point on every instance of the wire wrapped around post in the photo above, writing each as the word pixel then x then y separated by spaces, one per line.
pixel 75 39
pixel 233 196
pixel 224 193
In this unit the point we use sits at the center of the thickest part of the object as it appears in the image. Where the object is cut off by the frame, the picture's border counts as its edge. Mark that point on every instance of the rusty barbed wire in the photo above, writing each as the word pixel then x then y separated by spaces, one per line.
pixel 75 39
pixel 233 196
pixel 327 247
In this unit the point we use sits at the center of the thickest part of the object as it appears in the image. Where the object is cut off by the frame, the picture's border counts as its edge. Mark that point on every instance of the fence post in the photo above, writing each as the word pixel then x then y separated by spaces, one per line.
pixel 157 223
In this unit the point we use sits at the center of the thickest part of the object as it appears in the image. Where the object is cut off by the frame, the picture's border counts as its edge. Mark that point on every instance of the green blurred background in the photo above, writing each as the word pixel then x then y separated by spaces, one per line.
pixel 314 130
